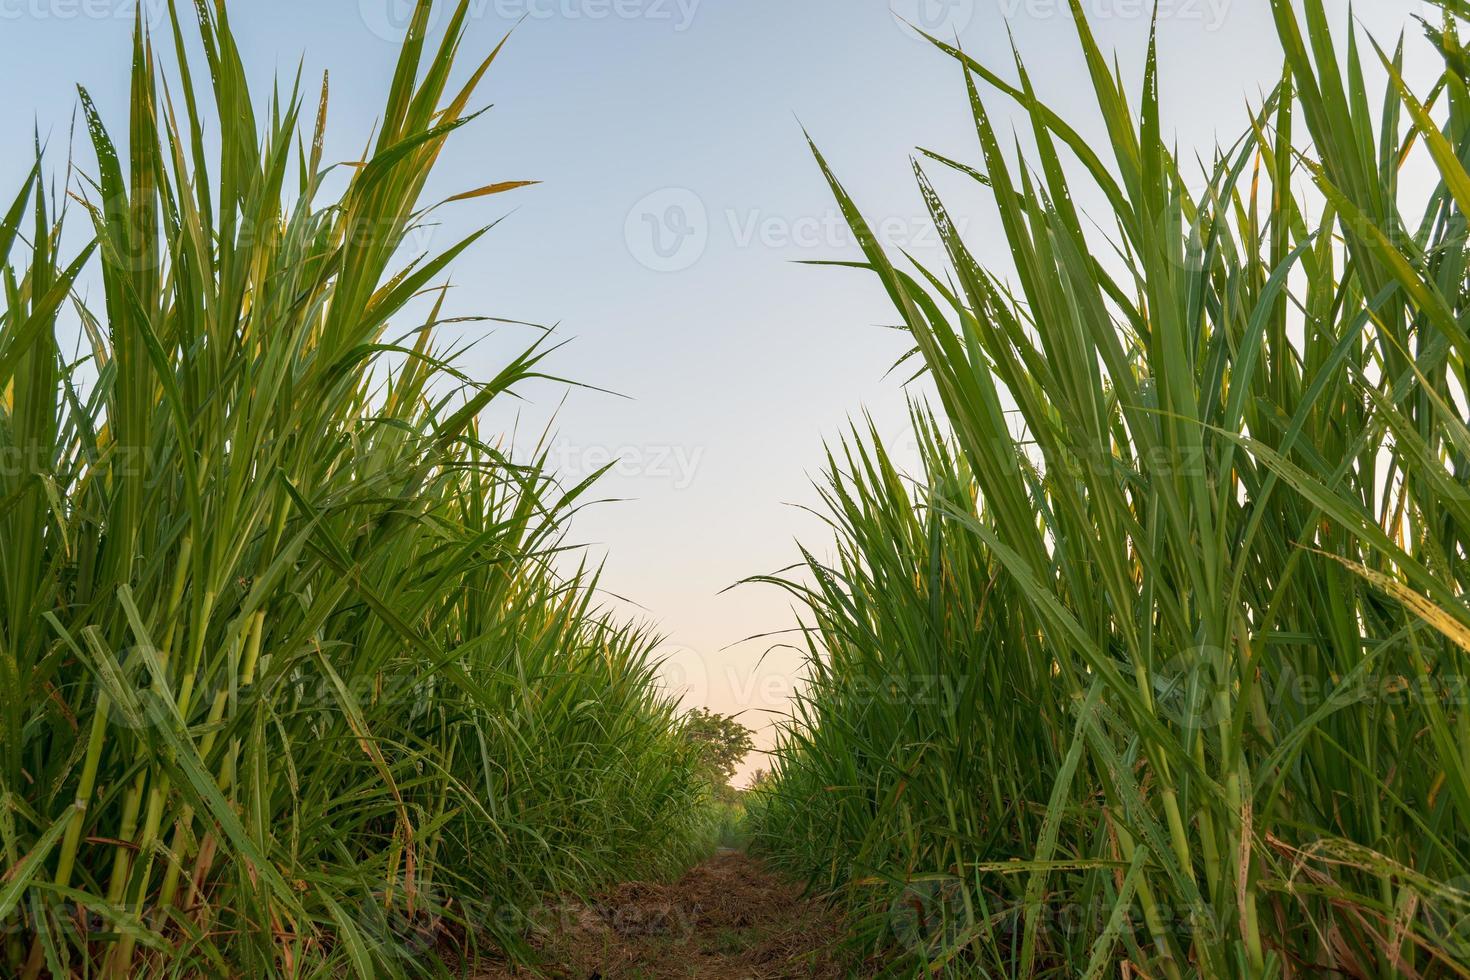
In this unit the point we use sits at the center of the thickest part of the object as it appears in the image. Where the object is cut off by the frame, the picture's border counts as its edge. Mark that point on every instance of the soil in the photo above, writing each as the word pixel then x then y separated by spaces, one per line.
pixel 727 919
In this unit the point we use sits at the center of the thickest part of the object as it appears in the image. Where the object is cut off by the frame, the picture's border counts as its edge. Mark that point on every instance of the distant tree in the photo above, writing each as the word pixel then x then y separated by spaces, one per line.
pixel 759 780
pixel 722 743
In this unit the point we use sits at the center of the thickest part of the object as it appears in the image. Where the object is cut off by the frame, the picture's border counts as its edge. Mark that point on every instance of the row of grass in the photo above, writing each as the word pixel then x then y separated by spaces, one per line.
pixel 289 684
pixel 1169 676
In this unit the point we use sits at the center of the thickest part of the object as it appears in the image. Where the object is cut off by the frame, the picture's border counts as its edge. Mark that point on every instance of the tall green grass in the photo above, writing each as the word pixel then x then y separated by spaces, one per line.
pixel 1176 678
pixel 289 684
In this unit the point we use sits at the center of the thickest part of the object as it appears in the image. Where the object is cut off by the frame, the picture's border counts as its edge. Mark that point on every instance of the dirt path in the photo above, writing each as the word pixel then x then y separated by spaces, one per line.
pixel 727 919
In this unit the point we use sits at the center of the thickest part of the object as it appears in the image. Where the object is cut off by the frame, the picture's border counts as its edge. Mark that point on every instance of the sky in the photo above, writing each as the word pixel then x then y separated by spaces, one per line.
pixel 678 202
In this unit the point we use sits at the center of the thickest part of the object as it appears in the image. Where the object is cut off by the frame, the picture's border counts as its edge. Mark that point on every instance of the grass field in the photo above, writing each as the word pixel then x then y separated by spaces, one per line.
pixel 1157 666
pixel 1169 676
pixel 288 682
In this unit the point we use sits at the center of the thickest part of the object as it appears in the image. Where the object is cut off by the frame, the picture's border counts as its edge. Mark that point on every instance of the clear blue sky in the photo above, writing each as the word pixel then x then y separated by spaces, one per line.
pixel 678 191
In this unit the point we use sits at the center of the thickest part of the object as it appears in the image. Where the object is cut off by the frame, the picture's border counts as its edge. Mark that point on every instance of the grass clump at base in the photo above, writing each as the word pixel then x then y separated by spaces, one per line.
pixel 288 684
pixel 1168 675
